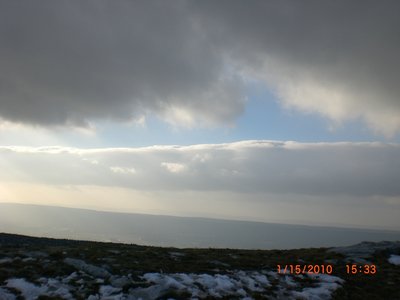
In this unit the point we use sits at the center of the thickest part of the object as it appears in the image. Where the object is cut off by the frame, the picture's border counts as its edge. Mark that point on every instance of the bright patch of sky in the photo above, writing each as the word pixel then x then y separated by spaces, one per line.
pixel 263 119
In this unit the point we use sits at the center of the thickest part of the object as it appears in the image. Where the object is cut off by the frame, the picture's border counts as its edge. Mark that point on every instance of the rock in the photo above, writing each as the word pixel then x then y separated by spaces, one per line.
pixel 120 282
pixel 87 268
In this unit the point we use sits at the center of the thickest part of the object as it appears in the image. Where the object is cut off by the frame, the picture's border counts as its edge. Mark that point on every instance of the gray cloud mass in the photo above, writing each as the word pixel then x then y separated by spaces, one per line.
pixel 70 62
pixel 352 169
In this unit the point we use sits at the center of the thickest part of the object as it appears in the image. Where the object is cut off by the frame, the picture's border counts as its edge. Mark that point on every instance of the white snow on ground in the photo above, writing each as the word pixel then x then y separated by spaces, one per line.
pixel 394 259
pixel 27 289
pixel 28 259
pixel 56 288
pixel 5 295
pixel 176 255
pixel 48 287
pixel 6 260
pixel 362 252
pixel 107 290
pixel 288 280
pixel 235 284
pixel 324 288
pixel 238 284
pixel 70 277
pixel 119 281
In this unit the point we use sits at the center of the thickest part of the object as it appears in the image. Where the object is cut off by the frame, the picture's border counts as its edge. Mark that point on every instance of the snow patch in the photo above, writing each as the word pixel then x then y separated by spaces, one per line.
pixel 27 289
pixel 108 290
pixel 203 285
pixel 6 260
pixel 5 295
pixel 394 259
pixel 70 277
pixel 324 288
pixel 364 250
pixel 28 259
pixel 50 287
pixel 236 284
pixel 239 284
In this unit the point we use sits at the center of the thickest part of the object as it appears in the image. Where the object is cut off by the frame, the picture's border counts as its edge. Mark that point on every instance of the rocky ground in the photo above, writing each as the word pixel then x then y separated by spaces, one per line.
pixel 42 268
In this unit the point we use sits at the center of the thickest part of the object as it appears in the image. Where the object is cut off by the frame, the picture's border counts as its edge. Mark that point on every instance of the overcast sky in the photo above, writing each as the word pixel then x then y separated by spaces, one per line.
pixel 190 107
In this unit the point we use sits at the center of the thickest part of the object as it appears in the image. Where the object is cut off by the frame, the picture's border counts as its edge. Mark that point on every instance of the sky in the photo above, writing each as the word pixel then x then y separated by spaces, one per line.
pixel 276 111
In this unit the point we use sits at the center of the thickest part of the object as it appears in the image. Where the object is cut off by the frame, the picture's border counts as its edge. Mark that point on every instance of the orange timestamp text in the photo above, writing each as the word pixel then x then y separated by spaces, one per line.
pixel 304 269
pixel 351 269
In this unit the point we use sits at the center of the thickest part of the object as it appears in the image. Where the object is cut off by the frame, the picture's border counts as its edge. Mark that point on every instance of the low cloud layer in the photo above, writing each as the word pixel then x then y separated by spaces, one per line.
pixel 263 167
pixel 72 62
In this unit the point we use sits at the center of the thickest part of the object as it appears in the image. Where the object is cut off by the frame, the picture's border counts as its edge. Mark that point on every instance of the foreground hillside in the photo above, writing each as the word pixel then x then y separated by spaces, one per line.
pixel 42 268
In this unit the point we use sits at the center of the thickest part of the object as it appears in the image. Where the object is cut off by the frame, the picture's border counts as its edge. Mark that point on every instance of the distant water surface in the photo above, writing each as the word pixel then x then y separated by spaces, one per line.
pixel 178 232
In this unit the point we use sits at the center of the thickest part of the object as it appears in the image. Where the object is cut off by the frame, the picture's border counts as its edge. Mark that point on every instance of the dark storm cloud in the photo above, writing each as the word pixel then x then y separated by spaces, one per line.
pixel 68 62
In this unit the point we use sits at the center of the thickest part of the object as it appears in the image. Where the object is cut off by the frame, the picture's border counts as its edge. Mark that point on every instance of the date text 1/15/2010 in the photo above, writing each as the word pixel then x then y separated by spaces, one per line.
pixel 367 269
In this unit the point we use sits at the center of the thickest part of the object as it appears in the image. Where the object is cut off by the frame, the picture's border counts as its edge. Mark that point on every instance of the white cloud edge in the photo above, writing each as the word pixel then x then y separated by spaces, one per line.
pixel 228 146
